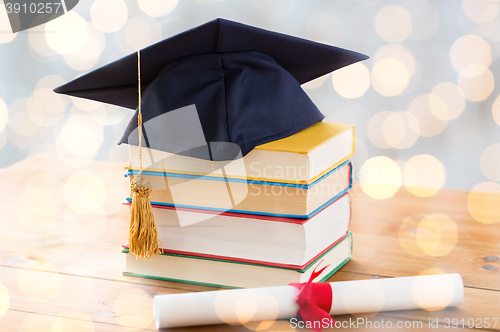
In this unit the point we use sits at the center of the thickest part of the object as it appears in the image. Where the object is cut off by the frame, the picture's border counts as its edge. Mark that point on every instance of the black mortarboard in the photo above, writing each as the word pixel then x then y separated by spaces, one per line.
pixel 244 82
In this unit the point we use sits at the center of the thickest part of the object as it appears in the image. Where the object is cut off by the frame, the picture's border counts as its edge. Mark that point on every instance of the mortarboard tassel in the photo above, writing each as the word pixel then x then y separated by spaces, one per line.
pixel 143 235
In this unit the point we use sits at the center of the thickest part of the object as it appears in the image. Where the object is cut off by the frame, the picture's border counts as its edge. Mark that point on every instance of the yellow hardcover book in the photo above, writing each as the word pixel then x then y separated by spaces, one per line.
pixel 309 139
pixel 301 158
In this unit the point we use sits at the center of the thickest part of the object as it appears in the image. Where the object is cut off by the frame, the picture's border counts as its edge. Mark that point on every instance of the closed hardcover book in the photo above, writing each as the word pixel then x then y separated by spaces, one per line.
pixel 257 238
pixel 300 158
pixel 225 272
pixel 247 196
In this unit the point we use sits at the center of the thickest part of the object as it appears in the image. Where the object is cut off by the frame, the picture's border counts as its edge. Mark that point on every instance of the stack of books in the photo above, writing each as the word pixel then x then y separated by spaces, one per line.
pixel 266 219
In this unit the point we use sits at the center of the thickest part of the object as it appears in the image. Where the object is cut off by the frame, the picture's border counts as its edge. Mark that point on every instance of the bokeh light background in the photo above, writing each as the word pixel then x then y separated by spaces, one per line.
pixel 425 105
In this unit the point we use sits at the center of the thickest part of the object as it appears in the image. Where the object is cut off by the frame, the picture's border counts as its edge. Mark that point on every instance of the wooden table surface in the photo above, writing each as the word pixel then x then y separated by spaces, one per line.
pixel 60 253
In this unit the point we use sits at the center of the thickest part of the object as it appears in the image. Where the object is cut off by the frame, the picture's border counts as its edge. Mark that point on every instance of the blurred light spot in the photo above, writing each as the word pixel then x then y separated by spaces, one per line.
pixel 134 309
pixel 394 130
pixel 67 34
pixel 23 132
pixel 246 306
pixel 407 234
pixel 234 308
pixel 410 128
pixel 314 84
pixel 389 77
pixel 491 30
pixel 480 11
pixel 4 115
pixel 444 291
pixel 44 179
pixel 273 10
pixel 430 272
pixel 36 323
pixel 393 24
pixel 45 96
pixel 380 177
pixel 425 18
pixel 483 202
pixel 122 47
pixel 156 8
pixel 81 136
pixel 437 235
pixel 142 31
pixel 86 104
pixel 85 226
pixel 434 235
pixel 468 50
pixel 375 129
pixel 490 162
pixel 451 95
pixel 24 142
pixel 36 285
pixel 6 35
pixel 39 116
pixel 325 27
pixel 373 296
pixel 225 306
pixel 84 9
pixel 43 148
pixel 260 326
pixel 69 158
pixel 80 140
pixel 476 87
pixel 84 191
pixel 351 81
pixel 39 43
pixel 87 56
pixel 438 108
pixel 4 300
pixel 20 121
pixel 72 322
pixel 423 175
pixel 37 209
pixel 248 303
pixel 3 139
pixel 398 52
pixel 108 115
pixel 423 108
pixel 359 157
pixel 495 109
pixel 101 18
pixel 133 8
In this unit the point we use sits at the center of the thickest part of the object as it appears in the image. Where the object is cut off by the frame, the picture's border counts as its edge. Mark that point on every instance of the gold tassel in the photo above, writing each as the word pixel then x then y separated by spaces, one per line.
pixel 144 241
pixel 143 235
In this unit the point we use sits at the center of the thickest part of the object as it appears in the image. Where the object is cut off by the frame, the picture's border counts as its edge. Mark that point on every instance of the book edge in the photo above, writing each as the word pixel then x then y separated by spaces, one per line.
pixel 300 269
pixel 347 126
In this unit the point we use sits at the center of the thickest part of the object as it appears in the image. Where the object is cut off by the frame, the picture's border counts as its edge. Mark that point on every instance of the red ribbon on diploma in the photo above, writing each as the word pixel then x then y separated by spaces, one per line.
pixel 314 300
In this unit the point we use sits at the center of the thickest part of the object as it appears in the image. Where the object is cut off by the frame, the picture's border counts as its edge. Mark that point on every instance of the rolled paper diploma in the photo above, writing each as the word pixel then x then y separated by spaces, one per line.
pixel 239 306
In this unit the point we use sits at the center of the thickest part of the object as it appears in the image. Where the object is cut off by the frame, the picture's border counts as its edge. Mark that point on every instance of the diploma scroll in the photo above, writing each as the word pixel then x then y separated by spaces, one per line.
pixel 239 306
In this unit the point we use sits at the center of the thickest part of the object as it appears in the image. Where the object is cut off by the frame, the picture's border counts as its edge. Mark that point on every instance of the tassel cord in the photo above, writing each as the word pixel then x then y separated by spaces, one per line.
pixel 143 234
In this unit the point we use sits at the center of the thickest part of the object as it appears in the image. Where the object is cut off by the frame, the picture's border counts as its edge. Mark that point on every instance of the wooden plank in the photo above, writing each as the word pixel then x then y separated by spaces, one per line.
pixel 81 251
pixel 34 322
pixel 102 301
